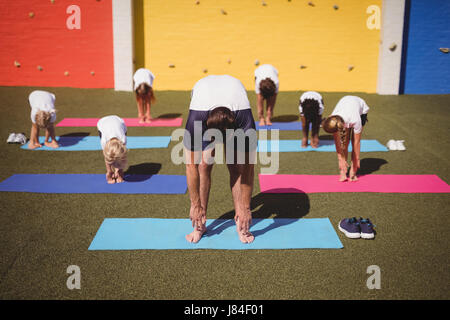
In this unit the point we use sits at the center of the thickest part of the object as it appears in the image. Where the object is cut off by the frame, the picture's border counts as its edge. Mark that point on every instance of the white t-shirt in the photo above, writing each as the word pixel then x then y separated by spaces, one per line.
pixel 42 101
pixel 350 108
pixel 314 96
pixel 219 91
pixel 112 127
pixel 143 76
pixel 266 71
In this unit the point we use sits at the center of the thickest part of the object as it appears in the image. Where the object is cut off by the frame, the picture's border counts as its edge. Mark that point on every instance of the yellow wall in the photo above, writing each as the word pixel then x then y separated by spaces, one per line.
pixel 283 33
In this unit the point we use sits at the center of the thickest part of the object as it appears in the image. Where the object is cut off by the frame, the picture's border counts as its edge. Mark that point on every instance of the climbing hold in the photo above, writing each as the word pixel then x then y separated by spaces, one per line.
pixel 197 2
pixel 205 70
pixel 263 3
pixel 350 68
pixel 223 12
pixel 171 66
pixel 444 50
pixel 52 1
pixel 66 73
pixel 229 61
pixel 31 14
pixel 40 68
pixel 257 62
pixel 17 64
pixel 311 4
pixel 335 7
pixel 392 47
pixel 303 67
pixel 92 73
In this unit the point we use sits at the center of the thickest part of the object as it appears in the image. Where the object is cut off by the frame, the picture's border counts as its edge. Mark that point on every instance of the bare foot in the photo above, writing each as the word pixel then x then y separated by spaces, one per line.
pixel 148 120
pixel 343 177
pixel 353 178
pixel 262 123
pixel 34 145
pixel 304 142
pixel 196 235
pixel 141 119
pixel 119 177
pixel 268 122
pixel 110 178
pixel 52 144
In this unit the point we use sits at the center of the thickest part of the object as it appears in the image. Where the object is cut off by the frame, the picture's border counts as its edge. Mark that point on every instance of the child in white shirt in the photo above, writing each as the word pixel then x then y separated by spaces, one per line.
pixel 143 87
pixel 311 108
pixel 43 115
pixel 266 88
pixel 346 123
pixel 113 138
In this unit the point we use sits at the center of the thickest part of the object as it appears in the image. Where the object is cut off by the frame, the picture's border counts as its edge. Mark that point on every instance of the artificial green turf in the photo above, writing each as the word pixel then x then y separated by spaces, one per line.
pixel 42 234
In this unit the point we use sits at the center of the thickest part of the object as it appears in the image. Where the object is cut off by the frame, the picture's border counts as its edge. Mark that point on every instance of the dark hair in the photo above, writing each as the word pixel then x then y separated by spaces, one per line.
pixel 144 92
pixel 311 109
pixel 220 118
pixel 267 88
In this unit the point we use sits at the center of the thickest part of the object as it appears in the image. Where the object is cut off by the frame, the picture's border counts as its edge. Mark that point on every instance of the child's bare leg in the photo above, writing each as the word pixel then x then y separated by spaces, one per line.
pixel 342 158
pixel 110 177
pixel 140 105
pixel 34 137
pixel 148 118
pixel 305 130
pixel 315 133
pixel 50 133
pixel 270 107
pixel 119 175
pixel 260 107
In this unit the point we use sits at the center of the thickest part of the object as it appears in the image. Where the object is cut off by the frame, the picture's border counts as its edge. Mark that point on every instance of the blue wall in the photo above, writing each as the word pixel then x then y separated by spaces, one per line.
pixel 425 69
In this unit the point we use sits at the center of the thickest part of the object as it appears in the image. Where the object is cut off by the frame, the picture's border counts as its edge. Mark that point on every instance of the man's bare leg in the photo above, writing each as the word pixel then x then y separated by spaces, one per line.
pixel 241 183
pixel 199 184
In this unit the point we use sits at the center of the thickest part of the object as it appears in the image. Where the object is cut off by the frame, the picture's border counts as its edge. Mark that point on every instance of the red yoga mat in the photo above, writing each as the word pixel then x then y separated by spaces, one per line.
pixel 385 183
pixel 130 122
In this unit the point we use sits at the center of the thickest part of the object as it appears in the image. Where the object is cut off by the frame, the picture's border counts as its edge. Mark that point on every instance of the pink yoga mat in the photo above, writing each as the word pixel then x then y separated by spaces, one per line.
pixel 385 183
pixel 130 122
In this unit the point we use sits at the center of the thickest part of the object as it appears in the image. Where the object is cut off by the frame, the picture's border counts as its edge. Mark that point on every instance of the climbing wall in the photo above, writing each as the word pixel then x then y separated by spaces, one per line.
pixel 426 56
pixel 57 43
pixel 325 45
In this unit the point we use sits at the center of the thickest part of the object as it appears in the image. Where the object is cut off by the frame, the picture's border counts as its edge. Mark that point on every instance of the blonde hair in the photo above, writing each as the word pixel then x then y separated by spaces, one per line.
pixel 115 153
pixel 43 118
pixel 334 124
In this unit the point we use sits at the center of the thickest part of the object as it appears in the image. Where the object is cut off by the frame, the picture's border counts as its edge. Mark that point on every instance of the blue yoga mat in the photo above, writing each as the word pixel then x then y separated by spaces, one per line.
pixel 294 125
pixel 89 143
pixel 163 234
pixel 324 146
pixel 94 183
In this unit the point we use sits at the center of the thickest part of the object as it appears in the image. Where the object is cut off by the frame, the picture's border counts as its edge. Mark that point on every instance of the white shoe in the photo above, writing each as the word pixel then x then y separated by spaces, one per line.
pixel 11 138
pixel 400 145
pixel 392 145
pixel 20 138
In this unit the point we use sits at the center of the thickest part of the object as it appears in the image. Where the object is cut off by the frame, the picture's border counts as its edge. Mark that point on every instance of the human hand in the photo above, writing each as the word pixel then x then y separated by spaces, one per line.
pixel 198 216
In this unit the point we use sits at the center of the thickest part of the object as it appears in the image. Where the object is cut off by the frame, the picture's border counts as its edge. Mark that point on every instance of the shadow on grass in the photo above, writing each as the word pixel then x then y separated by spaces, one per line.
pixel 169 116
pixel 370 165
pixel 282 207
pixel 285 118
